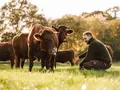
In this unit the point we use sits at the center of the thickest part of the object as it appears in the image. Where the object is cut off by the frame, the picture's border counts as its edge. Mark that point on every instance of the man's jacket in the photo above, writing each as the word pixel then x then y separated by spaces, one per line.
pixel 96 51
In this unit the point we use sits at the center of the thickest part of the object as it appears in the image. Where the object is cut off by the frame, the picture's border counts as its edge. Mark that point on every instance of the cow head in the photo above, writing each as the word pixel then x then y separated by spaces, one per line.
pixel 48 40
pixel 63 31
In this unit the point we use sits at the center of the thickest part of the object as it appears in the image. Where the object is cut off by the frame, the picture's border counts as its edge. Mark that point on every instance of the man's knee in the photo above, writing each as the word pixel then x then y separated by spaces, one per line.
pixel 87 65
pixel 93 65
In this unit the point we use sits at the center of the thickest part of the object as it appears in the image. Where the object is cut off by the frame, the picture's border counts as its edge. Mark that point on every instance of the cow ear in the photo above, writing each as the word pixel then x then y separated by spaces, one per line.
pixel 37 37
pixel 69 31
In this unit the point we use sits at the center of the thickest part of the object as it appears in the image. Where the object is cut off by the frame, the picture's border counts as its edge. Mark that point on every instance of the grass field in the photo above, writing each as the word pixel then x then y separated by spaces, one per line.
pixel 65 77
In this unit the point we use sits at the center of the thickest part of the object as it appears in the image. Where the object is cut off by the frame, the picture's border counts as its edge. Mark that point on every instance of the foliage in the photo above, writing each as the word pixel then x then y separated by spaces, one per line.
pixel 113 12
pixel 16 15
pixel 65 77
pixel 111 36
pixel 7 37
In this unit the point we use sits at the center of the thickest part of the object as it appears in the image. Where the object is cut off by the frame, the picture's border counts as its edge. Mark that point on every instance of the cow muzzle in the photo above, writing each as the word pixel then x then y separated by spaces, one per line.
pixel 52 52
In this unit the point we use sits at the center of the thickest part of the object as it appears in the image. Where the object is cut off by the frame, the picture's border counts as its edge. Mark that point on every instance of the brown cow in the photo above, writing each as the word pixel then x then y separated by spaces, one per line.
pixel 20 48
pixel 63 31
pixel 65 56
pixel 62 34
pixel 6 52
pixel 45 39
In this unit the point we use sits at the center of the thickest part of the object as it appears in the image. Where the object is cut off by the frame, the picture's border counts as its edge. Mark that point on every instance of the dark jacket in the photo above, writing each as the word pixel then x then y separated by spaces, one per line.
pixel 96 51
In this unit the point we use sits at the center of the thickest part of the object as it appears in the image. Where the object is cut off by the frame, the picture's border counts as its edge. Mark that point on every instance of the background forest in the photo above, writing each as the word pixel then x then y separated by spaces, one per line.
pixel 17 15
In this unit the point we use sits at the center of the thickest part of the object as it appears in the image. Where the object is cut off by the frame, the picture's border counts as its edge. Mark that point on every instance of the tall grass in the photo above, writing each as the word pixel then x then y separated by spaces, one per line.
pixel 65 77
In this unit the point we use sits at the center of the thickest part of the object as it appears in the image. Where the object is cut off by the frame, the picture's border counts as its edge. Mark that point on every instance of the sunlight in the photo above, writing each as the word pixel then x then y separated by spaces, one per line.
pixel 83 87
pixel 58 8
pixel 1 86
pixel 25 30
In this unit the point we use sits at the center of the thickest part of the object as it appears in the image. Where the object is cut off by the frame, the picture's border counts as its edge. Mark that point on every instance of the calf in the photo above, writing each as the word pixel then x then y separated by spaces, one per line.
pixel 61 57
pixel 65 56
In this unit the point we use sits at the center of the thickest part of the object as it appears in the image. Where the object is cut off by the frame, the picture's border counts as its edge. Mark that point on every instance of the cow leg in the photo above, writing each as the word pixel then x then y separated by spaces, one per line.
pixel 31 57
pixel 22 62
pixel 18 62
pixel 30 65
pixel 42 63
pixel 38 59
pixel 72 63
pixel 52 63
pixel 12 63
pixel 47 64
pixel 55 62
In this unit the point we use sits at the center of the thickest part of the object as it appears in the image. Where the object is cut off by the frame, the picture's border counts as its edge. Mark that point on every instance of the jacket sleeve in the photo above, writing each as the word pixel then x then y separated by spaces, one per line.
pixel 83 54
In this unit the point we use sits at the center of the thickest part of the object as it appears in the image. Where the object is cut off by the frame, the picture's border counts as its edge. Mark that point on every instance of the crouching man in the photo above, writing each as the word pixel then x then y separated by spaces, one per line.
pixel 97 56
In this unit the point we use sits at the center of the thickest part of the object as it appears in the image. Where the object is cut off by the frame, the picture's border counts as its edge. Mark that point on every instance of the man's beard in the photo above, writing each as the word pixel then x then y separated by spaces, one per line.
pixel 86 42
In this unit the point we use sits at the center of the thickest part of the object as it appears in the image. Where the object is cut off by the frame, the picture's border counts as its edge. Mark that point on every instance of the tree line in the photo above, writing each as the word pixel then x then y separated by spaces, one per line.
pixel 16 15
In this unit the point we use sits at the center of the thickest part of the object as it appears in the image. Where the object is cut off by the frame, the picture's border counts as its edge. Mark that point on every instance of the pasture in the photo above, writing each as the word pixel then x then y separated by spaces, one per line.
pixel 65 77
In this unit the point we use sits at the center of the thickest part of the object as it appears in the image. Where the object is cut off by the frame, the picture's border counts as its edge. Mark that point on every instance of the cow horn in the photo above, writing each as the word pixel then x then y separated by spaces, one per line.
pixel 37 37
pixel 54 27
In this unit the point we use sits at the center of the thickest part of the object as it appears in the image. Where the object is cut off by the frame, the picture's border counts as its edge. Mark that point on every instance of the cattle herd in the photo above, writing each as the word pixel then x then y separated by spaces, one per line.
pixel 41 43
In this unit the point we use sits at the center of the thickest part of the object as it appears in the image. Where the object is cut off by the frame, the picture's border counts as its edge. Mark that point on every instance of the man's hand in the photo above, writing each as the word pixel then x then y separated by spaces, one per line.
pixel 77 60
pixel 81 66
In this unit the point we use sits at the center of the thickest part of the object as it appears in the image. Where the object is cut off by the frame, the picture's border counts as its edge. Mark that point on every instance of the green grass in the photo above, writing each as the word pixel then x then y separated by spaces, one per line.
pixel 65 77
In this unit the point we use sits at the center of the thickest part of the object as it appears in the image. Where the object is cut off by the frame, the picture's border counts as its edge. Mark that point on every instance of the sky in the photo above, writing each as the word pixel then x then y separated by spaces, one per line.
pixel 57 8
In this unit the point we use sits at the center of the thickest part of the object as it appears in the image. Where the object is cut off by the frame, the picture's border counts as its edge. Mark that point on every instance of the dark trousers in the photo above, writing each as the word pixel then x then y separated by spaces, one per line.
pixel 95 64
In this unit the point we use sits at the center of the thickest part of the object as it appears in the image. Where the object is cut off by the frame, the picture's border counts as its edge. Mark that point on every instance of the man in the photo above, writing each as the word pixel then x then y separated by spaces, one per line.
pixel 97 56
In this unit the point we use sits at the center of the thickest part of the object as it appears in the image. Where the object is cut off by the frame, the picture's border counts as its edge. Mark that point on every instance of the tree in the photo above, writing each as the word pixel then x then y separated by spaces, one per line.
pixel 112 12
pixel 110 36
pixel 7 37
pixel 18 14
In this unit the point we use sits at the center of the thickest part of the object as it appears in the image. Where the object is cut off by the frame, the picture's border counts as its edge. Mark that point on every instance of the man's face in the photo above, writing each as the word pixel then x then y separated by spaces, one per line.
pixel 86 38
